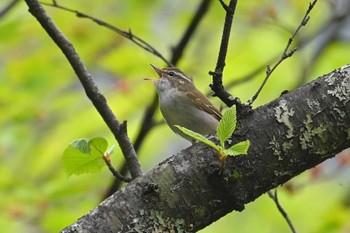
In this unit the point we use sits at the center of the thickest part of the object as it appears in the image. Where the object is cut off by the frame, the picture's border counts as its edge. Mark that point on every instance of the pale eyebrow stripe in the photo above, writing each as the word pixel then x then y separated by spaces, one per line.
pixel 179 73
pixel 182 75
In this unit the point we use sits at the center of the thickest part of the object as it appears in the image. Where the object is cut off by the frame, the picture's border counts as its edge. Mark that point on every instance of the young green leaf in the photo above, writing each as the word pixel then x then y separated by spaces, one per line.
pixel 84 156
pixel 238 149
pixel 98 146
pixel 197 137
pixel 227 125
pixel 82 145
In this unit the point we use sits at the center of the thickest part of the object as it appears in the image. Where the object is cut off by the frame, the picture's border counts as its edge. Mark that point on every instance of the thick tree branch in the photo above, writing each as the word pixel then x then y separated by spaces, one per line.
pixel 98 100
pixel 192 189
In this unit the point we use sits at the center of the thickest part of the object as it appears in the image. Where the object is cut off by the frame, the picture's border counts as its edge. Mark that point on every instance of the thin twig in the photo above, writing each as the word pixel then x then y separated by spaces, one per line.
pixel 286 53
pixel 127 34
pixel 248 76
pixel 98 100
pixel 217 86
pixel 325 35
pixel 245 78
pixel 8 7
pixel 115 173
pixel 148 123
pixel 274 197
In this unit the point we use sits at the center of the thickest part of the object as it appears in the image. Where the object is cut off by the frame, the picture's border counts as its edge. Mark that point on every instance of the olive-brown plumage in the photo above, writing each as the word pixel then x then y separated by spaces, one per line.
pixel 181 103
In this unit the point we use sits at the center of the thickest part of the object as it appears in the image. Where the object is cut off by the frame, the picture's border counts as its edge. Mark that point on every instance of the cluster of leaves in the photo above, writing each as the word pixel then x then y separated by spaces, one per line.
pixel 226 127
pixel 89 155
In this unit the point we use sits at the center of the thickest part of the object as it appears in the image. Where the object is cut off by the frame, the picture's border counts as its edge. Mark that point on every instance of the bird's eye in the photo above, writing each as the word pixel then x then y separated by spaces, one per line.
pixel 172 74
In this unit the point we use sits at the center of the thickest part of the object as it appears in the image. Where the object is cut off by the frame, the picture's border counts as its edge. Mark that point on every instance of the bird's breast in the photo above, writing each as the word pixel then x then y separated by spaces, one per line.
pixel 179 111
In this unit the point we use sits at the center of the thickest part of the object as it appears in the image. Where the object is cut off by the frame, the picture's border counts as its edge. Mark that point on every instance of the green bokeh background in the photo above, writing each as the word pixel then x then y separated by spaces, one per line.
pixel 43 106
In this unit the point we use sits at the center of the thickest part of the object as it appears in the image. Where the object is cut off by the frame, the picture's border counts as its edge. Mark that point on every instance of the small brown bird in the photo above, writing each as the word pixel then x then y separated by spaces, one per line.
pixel 181 103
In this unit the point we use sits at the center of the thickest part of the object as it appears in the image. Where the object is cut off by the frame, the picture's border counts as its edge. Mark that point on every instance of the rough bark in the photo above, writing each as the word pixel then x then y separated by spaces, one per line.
pixel 192 189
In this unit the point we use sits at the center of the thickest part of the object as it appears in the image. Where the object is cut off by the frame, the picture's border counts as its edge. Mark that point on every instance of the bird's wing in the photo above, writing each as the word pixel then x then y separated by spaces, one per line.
pixel 202 102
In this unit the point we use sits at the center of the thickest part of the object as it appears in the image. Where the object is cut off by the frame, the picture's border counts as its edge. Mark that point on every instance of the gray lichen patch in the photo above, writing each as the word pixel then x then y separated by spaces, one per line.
pixel 183 166
pixel 337 110
pixel 275 147
pixel 287 146
pixel 307 134
pixel 283 114
pixel 278 149
pixel 340 91
pixel 331 79
pixel 154 221
pixel 314 105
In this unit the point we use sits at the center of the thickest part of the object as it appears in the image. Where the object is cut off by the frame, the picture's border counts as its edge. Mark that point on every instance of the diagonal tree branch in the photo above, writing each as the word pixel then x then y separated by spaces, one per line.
pixel 127 34
pixel 119 130
pixel 192 189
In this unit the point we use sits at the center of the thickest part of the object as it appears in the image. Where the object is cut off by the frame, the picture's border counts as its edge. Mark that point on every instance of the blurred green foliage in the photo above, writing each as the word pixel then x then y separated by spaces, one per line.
pixel 43 106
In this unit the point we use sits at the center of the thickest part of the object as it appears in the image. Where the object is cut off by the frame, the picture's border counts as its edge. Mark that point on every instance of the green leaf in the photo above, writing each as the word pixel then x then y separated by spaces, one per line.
pixel 84 156
pixel 82 145
pixel 98 146
pixel 198 137
pixel 238 149
pixel 227 125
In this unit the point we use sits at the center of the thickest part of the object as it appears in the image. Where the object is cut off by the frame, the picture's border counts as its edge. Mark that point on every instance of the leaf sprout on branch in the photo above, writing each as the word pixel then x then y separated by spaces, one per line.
pixel 226 127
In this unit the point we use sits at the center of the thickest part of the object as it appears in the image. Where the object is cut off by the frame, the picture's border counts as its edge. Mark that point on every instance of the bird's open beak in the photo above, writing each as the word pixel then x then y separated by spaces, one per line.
pixel 153 80
pixel 159 71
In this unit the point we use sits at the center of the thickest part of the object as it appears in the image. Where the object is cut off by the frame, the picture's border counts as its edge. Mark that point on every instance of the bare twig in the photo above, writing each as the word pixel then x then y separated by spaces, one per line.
pixel 116 174
pixel 330 31
pixel 286 53
pixel 274 197
pixel 98 100
pixel 248 76
pixel 148 123
pixel 217 86
pixel 8 7
pixel 127 34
